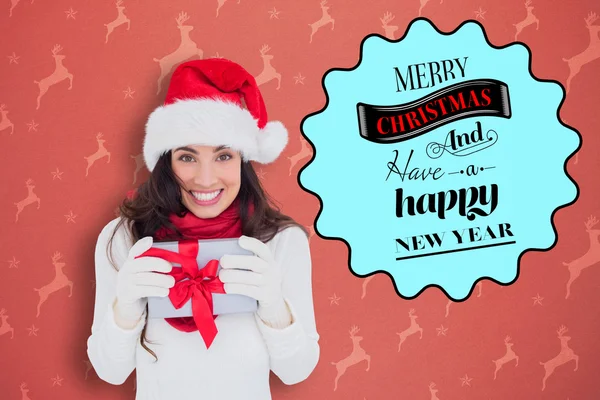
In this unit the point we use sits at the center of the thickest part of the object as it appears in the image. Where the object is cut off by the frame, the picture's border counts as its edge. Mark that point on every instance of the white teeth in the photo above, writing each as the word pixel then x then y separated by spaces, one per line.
pixel 206 197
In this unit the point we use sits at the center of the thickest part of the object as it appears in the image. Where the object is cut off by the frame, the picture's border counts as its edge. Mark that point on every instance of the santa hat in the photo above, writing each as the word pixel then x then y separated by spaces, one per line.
pixel 205 106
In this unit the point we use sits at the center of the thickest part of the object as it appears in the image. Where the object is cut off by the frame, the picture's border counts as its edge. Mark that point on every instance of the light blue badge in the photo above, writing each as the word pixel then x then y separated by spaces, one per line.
pixel 439 159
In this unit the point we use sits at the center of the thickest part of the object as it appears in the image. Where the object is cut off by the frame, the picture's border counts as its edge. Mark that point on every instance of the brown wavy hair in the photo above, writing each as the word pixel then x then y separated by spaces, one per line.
pixel 160 196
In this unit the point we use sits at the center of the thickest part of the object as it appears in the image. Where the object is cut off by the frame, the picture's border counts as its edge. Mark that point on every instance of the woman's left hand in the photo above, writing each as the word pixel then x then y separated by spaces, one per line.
pixel 262 282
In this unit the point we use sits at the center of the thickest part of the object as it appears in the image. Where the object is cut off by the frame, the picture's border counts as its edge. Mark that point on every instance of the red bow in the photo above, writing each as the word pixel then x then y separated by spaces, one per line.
pixel 199 287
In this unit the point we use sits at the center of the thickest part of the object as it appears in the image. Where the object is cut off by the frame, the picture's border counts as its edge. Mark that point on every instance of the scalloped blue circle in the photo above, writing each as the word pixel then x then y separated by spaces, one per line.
pixel 348 173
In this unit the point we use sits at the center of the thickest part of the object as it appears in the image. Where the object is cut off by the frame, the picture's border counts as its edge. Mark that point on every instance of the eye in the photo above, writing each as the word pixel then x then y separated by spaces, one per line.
pixel 220 157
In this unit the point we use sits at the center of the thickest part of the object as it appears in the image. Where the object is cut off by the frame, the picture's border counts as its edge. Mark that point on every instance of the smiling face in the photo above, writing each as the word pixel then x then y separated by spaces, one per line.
pixel 207 171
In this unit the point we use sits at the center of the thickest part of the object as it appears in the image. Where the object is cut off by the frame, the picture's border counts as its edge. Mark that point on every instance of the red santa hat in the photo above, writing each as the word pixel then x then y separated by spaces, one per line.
pixel 205 106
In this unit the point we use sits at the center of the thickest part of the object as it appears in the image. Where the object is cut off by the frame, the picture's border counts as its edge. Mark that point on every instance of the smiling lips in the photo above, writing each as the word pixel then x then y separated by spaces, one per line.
pixel 207 198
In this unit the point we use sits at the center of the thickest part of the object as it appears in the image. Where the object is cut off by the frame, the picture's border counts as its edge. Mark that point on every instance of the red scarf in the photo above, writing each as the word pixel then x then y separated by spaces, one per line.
pixel 228 224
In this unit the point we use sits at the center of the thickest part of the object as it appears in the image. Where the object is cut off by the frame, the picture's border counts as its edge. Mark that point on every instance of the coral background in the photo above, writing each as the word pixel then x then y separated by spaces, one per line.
pixel 115 85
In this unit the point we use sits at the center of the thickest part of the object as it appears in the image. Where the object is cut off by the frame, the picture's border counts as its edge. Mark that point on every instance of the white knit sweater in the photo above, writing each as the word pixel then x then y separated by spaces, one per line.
pixel 237 364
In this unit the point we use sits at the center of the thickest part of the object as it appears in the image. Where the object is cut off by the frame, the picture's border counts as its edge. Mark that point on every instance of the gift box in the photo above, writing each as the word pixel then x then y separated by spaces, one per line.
pixel 195 268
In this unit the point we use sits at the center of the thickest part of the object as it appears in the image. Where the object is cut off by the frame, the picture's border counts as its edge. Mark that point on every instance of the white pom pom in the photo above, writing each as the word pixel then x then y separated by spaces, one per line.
pixel 271 140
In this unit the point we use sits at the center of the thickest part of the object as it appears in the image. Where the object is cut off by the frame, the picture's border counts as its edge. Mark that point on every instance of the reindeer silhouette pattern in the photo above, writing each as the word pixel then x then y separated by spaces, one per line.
pixel 30 199
pixel 433 391
pixel 268 73
pixel 272 70
pixel 479 286
pixel 13 4
pixel 364 285
pixel 5 123
pixel 565 355
pixel 411 330
pixel 88 368
pixel 120 20
pixel 60 281
pixel 4 325
pixel 530 19
pixel 186 50
pixel 356 356
pixel 588 55
pixel 390 30
pixel 99 154
pixel 60 74
pixel 139 164
pixel 507 357
pixel 220 4
pixel 323 21
pixel 311 233
pixel 369 278
pixel 589 258
pixel 305 152
pixel 422 5
pixel 24 391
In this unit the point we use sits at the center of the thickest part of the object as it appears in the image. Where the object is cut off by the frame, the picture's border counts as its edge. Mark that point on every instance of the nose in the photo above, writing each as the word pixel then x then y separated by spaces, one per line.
pixel 205 176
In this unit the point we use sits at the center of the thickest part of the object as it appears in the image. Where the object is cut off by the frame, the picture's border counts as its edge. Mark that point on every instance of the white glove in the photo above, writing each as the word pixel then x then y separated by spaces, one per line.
pixel 136 281
pixel 262 282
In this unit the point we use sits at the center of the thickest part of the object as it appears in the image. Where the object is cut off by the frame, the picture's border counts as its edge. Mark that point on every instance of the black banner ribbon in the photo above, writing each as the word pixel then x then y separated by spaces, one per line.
pixel 392 124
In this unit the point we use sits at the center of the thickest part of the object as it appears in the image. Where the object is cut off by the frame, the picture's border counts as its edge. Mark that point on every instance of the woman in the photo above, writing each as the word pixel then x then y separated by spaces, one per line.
pixel 199 145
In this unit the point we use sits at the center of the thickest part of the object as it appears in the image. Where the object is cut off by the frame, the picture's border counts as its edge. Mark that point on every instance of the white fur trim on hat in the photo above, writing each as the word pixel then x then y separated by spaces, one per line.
pixel 211 122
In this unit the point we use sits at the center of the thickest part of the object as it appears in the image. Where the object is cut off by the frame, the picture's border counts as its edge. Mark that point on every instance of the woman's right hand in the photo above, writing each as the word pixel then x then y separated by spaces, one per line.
pixel 138 279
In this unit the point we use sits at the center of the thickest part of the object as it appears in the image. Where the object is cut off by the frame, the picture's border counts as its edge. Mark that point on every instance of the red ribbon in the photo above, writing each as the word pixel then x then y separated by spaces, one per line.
pixel 199 287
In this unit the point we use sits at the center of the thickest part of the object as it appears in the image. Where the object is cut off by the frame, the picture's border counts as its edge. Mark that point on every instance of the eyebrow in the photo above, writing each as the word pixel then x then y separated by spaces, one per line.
pixel 185 148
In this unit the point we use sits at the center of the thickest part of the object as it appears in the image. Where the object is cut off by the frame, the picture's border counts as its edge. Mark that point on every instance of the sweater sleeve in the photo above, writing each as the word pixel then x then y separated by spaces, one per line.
pixel 294 350
pixel 110 348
